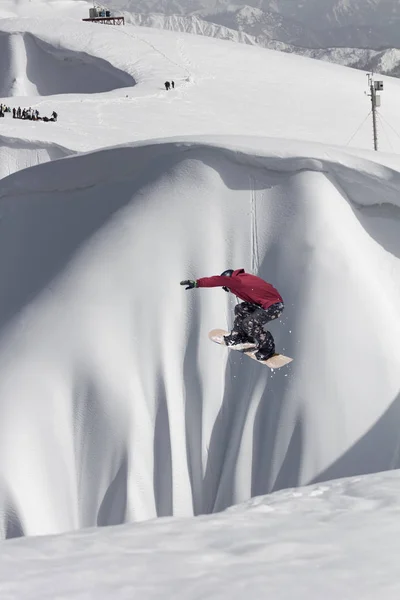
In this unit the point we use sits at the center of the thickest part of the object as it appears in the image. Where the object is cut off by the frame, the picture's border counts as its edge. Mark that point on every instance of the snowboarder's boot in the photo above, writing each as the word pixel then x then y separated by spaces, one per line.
pixel 264 355
pixel 234 340
pixel 239 342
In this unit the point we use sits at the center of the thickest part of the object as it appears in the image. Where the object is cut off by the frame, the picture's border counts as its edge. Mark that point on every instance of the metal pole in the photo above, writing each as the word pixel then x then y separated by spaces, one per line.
pixel 373 103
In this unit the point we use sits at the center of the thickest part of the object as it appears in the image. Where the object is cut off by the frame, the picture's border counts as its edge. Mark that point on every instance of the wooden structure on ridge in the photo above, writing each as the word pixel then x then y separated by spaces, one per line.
pixel 104 16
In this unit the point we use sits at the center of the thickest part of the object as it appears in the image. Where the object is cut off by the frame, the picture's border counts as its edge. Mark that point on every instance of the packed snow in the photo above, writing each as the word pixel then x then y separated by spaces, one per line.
pixel 220 88
pixel 114 405
pixel 336 540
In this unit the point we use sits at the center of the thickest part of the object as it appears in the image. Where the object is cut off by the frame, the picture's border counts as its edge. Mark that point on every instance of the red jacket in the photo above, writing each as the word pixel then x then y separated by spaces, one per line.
pixel 249 288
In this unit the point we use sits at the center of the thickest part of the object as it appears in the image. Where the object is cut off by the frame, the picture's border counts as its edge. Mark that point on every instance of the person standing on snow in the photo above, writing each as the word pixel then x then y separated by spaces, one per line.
pixel 261 304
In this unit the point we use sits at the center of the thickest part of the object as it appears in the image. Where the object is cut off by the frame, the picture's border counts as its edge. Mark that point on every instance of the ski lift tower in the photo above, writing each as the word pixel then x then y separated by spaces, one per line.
pixel 100 14
pixel 374 86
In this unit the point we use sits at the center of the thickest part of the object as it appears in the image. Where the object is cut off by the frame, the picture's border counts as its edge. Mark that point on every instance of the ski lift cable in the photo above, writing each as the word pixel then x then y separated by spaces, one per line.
pixel 380 119
pixel 388 124
pixel 358 129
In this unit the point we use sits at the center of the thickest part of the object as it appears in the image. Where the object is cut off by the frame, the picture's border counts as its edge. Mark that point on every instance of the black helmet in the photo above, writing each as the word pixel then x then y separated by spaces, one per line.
pixel 227 273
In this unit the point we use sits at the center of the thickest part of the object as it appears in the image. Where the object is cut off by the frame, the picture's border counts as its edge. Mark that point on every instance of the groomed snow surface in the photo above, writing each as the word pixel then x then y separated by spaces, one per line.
pixel 114 406
pixel 325 541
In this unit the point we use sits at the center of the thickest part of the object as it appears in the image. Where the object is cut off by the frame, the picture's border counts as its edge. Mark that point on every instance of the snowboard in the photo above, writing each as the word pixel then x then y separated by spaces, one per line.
pixel 274 362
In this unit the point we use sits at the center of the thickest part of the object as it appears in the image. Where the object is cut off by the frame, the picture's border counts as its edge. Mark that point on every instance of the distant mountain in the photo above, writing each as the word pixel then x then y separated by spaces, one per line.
pixel 386 61
pixel 192 24
pixel 380 61
pixel 267 25
pixel 309 23
pixel 326 15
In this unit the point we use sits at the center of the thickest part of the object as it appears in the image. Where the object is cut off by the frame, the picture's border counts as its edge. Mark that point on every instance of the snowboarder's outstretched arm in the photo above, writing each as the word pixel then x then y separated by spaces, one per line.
pixel 215 281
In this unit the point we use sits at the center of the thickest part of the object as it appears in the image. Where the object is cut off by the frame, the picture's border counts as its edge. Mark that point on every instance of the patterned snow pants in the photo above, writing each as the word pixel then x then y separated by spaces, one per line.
pixel 249 325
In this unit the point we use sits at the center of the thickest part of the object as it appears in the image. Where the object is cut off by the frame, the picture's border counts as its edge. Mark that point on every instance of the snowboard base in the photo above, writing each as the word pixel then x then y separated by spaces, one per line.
pixel 274 362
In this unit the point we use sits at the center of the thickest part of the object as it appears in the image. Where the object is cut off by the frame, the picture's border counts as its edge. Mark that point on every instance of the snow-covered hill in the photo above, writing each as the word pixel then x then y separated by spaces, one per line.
pixel 275 28
pixel 362 35
pixel 114 405
pixel 386 61
pixel 337 540
pixel 276 94
pixel 105 365
pixel 122 408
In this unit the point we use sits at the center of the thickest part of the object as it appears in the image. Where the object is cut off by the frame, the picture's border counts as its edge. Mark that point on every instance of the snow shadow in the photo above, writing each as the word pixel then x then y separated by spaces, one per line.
pixel 194 411
pixel 382 223
pixel 31 67
pixel 162 470
pixel 17 154
pixel 97 458
pixel 268 417
pixel 6 76
pixel 32 222
pixel 377 450
pixel 226 437
pixel 62 223
pixel 12 527
pixel 62 71
pixel 113 507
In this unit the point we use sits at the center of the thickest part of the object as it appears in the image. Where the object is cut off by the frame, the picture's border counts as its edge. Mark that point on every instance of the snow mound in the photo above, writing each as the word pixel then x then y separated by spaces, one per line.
pixel 16 154
pixel 31 67
pixel 337 540
pixel 114 405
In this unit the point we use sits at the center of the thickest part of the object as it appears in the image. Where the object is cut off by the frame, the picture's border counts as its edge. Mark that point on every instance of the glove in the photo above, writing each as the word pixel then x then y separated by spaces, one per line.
pixel 191 283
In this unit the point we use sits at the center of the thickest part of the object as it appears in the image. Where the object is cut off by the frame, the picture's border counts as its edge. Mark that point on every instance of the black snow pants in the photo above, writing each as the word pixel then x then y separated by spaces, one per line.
pixel 249 325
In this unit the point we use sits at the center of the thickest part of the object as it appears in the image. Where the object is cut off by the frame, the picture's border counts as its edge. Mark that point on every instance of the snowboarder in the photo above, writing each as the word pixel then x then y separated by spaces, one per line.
pixel 262 303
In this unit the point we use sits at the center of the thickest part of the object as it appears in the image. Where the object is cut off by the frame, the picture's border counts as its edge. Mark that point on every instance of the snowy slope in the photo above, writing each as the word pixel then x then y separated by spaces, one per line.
pixel 275 94
pixel 122 407
pixel 114 406
pixel 361 36
pixel 17 154
pixel 385 61
pixel 337 540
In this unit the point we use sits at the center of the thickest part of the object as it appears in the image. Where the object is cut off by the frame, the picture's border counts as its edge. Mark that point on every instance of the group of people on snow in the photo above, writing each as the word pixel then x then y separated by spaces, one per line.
pixel 26 113
pixel 169 84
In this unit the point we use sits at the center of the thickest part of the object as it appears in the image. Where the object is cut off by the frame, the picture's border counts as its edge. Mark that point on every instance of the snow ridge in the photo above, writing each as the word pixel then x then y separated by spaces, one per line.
pixel 18 154
pixel 140 416
pixel 29 67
